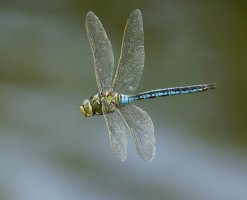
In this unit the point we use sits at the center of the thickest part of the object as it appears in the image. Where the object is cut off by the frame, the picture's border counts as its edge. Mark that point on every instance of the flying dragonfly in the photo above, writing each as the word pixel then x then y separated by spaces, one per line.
pixel 116 95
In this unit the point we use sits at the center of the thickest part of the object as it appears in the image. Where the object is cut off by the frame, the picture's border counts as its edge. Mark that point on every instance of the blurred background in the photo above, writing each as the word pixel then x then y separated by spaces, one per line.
pixel 49 151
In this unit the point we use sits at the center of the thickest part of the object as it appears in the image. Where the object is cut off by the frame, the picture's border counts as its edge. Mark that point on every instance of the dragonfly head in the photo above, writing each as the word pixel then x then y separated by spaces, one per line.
pixel 86 108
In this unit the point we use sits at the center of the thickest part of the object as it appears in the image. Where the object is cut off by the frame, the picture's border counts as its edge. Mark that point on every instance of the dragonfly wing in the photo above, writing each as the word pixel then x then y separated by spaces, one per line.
pixel 142 130
pixel 131 62
pixel 117 130
pixel 102 51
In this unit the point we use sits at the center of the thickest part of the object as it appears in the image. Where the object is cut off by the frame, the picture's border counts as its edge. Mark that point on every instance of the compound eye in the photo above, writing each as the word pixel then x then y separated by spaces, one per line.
pixel 86 108
pixel 82 110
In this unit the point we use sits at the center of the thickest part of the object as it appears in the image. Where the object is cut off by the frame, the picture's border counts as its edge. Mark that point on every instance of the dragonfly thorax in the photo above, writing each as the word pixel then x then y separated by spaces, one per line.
pixel 94 105
pixel 109 97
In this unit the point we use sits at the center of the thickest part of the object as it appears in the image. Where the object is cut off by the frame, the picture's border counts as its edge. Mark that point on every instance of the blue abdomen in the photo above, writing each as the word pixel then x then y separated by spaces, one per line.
pixel 125 99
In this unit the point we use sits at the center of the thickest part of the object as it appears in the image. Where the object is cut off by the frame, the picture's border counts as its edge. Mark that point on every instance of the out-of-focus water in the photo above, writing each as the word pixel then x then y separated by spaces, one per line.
pixel 49 151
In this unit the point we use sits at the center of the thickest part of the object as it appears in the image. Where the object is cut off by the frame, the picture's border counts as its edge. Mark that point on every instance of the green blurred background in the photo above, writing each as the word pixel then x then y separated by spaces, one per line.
pixel 49 151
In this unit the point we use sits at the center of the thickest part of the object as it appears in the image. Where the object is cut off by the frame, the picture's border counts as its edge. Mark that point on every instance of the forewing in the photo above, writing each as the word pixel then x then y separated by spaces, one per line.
pixel 102 51
pixel 131 62
pixel 117 130
pixel 142 130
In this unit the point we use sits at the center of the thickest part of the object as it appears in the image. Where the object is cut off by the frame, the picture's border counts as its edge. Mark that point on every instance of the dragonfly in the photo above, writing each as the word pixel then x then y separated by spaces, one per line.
pixel 116 94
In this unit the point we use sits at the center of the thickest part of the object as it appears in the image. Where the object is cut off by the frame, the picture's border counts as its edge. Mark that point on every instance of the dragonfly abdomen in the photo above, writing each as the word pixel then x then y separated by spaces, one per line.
pixel 125 99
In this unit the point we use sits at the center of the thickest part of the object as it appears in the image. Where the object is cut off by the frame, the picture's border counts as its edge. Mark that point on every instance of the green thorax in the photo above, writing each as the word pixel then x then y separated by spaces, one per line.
pixel 107 98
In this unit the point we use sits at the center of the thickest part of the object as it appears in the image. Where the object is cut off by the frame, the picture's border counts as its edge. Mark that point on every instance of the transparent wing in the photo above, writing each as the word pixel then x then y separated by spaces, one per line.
pixel 117 130
pixel 142 130
pixel 102 51
pixel 131 62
